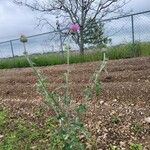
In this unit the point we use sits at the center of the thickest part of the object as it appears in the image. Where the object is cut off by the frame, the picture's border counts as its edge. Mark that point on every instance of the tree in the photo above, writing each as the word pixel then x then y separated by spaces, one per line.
pixel 76 11
pixel 94 33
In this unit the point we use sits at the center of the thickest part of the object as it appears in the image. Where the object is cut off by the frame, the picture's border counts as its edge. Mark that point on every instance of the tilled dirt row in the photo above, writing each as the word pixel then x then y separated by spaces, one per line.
pixel 113 117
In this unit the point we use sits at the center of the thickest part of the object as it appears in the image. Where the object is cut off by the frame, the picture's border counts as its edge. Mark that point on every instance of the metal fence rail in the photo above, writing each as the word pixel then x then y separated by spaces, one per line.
pixel 124 29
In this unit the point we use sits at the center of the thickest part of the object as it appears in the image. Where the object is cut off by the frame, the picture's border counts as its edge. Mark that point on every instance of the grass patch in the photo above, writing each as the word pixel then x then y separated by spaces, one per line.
pixel 17 134
pixel 115 52
pixel 48 60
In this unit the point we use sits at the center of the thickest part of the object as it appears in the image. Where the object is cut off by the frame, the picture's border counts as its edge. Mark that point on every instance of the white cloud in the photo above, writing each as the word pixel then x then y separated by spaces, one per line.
pixel 15 20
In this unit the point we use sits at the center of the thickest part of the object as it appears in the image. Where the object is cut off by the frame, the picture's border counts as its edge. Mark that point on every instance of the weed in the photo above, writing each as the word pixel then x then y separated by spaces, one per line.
pixel 137 128
pixel 18 134
pixel 115 120
pixel 66 128
pixel 136 147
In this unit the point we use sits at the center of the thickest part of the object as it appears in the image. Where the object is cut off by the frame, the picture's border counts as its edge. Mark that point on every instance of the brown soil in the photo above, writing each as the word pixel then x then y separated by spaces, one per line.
pixel 116 117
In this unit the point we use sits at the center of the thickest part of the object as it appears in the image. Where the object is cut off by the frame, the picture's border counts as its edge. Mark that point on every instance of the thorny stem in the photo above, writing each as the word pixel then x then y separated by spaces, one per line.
pixel 67 75
pixel 41 81
pixel 101 68
pixel 104 62
pixel 104 59
pixel 68 71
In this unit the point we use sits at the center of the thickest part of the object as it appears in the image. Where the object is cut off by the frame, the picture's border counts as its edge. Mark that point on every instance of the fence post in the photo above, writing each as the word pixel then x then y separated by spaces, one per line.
pixel 133 36
pixel 60 35
pixel 132 21
pixel 12 49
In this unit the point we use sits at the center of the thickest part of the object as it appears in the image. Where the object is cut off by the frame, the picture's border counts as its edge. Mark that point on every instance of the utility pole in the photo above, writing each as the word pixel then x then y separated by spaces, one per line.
pixel 60 35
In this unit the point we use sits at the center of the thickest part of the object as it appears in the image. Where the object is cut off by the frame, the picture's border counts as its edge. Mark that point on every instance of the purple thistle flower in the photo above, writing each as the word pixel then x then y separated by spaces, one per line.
pixel 74 27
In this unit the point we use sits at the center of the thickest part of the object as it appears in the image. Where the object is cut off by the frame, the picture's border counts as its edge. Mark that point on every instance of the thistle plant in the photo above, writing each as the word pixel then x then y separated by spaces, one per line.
pixel 66 127
pixel 104 50
pixel 94 83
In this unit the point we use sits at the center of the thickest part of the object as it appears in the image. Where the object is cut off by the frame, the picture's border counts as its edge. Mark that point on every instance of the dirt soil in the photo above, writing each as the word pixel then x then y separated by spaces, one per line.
pixel 115 117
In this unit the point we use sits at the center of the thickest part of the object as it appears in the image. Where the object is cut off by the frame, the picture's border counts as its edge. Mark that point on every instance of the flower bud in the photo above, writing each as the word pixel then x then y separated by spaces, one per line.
pixel 23 39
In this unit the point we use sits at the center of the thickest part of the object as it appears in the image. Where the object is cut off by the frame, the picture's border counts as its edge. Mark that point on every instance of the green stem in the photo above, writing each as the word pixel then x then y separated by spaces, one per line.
pixel 41 82
pixel 68 72
pixel 98 74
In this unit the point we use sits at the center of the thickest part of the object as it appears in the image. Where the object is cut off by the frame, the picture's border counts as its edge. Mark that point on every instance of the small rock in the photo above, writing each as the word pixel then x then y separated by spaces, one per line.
pixel 1 136
pixel 147 119
pixel 33 147
pixel 99 122
pixel 112 113
pixel 104 136
pixel 88 146
pixel 101 102
pixel 106 104
pixel 115 100
pixel 147 81
pixel 98 140
pixel 122 144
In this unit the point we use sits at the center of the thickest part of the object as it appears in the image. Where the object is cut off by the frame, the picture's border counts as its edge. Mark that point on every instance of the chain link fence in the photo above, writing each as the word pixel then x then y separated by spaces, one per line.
pixel 121 30
pixel 129 29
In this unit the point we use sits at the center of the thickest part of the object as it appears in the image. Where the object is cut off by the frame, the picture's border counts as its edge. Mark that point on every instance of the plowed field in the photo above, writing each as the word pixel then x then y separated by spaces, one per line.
pixel 115 117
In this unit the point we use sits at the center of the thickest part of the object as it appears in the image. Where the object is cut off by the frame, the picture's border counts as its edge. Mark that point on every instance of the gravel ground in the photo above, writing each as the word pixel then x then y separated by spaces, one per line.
pixel 115 117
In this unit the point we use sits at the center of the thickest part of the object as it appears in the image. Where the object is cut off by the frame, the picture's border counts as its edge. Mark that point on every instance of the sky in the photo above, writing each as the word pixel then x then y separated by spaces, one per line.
pixel 16 20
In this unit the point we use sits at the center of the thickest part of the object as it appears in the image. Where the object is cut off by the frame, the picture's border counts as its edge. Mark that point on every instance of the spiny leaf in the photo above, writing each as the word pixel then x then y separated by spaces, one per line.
pixel 88 93
pixel 97 88
pixel 81 108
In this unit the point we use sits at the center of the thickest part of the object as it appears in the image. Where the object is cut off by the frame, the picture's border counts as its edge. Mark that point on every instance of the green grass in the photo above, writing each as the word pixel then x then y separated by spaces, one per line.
pixel 115 52
pixel 129 50
pixel 47 60
pixel 145 46
pixel 17 134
